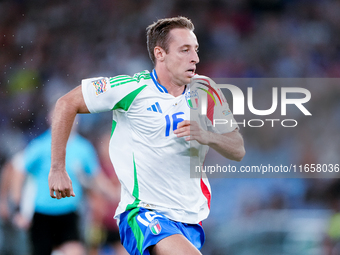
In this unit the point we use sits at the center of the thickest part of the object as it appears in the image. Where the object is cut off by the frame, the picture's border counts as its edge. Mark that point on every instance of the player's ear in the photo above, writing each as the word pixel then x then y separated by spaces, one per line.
pixel 159 53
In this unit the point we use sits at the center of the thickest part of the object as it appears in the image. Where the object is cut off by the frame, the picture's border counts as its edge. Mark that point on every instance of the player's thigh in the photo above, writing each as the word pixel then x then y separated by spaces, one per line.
pixel 174 245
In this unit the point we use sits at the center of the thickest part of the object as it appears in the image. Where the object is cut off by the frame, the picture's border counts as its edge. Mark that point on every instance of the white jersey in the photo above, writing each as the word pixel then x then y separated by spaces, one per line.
pixel 151 162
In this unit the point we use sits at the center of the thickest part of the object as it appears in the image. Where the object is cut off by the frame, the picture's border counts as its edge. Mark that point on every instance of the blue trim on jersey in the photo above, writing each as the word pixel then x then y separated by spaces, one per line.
pixel 160 87
pixel 141 228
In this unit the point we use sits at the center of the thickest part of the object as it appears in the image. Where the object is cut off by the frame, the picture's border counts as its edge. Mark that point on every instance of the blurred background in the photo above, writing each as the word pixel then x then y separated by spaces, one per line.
pixel 47 47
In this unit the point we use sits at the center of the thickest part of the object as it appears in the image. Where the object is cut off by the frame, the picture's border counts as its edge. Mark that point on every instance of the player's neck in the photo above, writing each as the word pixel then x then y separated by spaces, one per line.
pixel 165 80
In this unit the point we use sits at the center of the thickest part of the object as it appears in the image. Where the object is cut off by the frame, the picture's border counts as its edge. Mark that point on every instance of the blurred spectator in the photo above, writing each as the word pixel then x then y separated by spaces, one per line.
pixel 48 213
pixel 10 234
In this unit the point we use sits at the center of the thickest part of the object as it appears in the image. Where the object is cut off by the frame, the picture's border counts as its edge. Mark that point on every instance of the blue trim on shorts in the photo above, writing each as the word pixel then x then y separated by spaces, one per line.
pixel 141 228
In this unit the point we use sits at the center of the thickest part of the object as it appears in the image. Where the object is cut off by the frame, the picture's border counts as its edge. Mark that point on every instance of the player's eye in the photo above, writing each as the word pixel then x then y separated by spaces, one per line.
pixel 185 50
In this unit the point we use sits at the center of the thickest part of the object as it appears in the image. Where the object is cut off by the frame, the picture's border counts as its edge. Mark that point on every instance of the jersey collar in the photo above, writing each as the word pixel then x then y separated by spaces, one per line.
pixel 160 87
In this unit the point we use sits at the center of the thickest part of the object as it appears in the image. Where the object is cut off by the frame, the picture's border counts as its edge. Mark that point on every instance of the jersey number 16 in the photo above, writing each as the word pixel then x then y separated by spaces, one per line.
pixel 175 121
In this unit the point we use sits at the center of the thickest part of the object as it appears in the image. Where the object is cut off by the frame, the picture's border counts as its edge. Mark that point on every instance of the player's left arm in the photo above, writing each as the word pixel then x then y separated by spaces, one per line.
pixel 229 145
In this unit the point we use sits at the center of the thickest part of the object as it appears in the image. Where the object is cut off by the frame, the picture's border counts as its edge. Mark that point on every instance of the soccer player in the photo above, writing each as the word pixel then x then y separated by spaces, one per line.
pixel 157 131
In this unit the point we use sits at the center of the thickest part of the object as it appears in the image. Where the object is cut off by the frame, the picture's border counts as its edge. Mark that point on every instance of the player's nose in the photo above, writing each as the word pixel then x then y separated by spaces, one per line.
pixel 194 58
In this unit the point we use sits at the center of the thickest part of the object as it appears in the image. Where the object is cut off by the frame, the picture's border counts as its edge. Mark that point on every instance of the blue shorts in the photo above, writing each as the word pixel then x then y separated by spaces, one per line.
pixel 141 228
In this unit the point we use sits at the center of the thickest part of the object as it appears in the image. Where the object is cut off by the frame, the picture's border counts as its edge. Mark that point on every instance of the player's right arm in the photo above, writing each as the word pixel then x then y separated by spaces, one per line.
pixel 97 94
pixel 64 114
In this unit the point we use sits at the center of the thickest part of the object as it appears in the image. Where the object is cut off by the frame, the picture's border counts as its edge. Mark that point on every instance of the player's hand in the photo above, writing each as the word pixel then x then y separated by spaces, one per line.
pixel 60 184
pixel 192 131
pixel 21 221
pixel 4 210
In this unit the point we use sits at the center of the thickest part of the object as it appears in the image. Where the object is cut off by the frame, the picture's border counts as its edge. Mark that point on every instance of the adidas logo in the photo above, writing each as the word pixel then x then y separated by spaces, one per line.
pixel 155 108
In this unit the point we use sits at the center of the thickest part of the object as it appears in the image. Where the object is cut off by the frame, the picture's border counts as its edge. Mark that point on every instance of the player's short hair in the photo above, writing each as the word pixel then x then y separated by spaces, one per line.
pixel 158 33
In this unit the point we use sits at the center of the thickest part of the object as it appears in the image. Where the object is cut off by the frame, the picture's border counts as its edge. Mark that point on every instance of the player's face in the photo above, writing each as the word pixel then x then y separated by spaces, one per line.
pixel 182 57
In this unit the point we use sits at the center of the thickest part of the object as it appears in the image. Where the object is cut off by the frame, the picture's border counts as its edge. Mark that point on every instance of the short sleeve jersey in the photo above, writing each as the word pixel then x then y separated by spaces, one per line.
pixel 151 162
pixel 81 161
